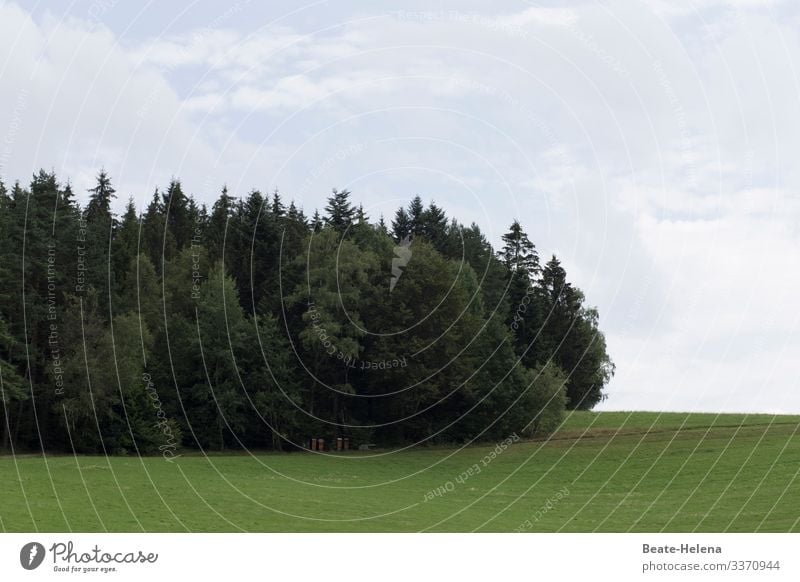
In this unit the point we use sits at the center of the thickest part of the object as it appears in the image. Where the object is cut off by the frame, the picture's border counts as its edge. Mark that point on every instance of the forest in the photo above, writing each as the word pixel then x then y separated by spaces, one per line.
pixel 250 324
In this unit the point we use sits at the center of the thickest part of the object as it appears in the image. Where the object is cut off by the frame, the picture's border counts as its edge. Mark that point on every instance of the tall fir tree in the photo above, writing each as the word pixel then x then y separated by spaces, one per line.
pixel 519 253
pixel 433 226
pixel 415 212
pixel 178 215
pixel 339 212
pixel 100 198
pixel 316 222
pixel 401 225
pixel 571 337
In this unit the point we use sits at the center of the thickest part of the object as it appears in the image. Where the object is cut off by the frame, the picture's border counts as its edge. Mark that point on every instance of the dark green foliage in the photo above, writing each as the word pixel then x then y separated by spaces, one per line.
pixel 221 212
pixel 316 222
pixel 433 226
pixel 519 253
pixel 250 325
pixel 158 243
pixel 542 405
pixel 179 219
pixel 571 338
pixel 99 206
pixel 339 213
pixel 124 249
pixel 13 388
pixel 401 225
pixel 277 204
pixel 415 211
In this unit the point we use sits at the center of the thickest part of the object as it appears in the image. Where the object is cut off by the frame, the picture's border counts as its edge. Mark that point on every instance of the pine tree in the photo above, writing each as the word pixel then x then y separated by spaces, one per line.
pixel 571 337
pixel 519 253
pixel 559 293
pixel 178 217
pixel 98 209
pixel 221 213
pixel 195 216
pixel 415 211
pixel 295 214
pixel 278 208
pixel 339 213
pixel 295 231
pixel 361 215
pixel 100 227
pixel 125 247
pixel 433 226
pixel 256 250
pixel 158 242
pixel 401 225
pixel 316 221
pixel 68 196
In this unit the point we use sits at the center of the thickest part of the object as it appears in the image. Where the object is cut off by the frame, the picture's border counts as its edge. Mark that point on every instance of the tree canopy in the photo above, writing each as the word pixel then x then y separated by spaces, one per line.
pixel 248 324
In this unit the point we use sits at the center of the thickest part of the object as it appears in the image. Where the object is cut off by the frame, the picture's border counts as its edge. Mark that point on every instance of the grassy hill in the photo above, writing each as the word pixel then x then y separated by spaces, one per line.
pixel 608 471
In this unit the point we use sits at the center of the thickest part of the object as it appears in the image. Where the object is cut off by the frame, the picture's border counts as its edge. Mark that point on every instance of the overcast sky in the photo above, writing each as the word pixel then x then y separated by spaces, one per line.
pixel 653 148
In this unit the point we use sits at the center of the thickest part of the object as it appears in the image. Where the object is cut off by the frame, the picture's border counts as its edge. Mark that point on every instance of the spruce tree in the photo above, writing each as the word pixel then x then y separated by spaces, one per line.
pixel 277 208
pixel 339 213
pixel 519 253
pixel 571 337
pixel 221 213
pixel 415 211
pixel 316 221
pixel 125 247
pixel 401 225
pixel 158 242
pixel 433 226
pixel 99 206
pixel 178 216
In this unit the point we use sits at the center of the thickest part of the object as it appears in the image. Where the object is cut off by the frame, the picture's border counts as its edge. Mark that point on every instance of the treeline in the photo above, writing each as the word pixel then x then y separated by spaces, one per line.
pixel 251 324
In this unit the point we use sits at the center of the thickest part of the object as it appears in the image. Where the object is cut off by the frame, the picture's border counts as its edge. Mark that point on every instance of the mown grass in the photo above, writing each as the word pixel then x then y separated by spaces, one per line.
pixel 608 471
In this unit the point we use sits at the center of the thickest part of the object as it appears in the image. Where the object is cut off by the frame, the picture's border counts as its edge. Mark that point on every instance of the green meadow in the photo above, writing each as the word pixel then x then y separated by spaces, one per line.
pixel 606 471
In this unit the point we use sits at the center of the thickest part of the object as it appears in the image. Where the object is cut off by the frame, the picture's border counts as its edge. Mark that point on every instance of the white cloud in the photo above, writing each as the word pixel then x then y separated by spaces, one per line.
pixel 87 106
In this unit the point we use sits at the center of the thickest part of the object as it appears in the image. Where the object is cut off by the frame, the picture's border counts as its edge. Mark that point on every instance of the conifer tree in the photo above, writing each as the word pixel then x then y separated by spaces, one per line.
pixel 415 211
pixel 433 226
pixel 339 213
pixel 519 253
pixel 178 215
pixel 316 221
pixel 401 225
pixel 278 208
pixel 99 206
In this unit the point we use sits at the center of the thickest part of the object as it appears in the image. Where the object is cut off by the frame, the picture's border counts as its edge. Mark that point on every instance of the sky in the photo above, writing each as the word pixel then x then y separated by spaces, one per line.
pixel 652 146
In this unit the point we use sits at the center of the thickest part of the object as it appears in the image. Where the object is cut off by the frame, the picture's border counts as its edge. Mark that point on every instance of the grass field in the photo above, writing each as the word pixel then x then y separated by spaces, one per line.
pixel 600 472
